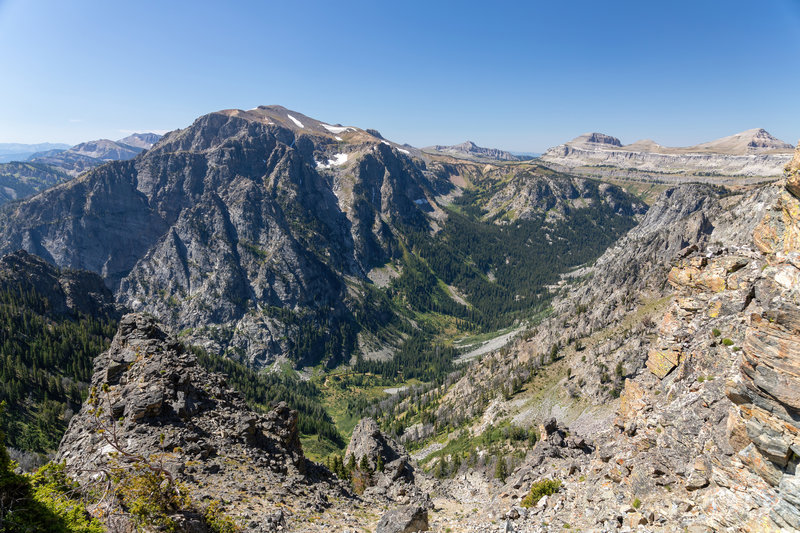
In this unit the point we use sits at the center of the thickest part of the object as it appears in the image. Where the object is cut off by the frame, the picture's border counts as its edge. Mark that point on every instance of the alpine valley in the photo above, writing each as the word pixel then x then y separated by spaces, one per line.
pixel 265 322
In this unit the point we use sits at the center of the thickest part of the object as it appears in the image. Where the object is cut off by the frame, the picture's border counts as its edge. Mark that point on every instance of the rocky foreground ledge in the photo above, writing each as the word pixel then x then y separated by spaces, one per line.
pixel 158 404
pixel 155 410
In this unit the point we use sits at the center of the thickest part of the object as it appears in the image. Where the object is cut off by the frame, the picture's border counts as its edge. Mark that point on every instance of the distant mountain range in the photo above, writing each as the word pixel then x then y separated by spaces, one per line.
pixel 21 152
pixel 750 153
pixel 84 156
pixel 652 381
pixel 469 150
pixel 30 168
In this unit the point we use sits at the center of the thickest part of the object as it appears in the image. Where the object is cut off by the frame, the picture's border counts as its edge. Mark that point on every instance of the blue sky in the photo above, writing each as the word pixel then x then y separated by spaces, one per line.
pixel 517 75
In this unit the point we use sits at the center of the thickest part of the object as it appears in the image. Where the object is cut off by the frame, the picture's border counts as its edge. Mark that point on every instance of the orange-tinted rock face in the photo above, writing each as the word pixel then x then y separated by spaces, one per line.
pixel 793 169
pixel 768 388
pixel 661 361
pixel 793 183
pixel 772 361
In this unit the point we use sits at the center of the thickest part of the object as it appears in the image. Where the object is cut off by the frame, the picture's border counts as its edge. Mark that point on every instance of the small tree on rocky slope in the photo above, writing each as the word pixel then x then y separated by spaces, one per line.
pixel 139 486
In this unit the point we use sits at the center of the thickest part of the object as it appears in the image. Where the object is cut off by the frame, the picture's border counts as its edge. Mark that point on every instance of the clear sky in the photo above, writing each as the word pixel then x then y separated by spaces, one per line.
pixel 516 75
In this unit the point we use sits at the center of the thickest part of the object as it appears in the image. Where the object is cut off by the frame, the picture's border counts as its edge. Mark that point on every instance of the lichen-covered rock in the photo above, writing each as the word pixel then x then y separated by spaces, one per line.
pixel 766 392
pixel 661 361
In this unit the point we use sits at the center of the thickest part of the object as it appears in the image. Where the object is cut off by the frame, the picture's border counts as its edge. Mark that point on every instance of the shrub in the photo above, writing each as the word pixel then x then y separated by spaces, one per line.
pixel 56 492
pixel 636 503
pixel 217 520
pixel 546 487
pixel 45 501
pixel 727 342
pixel 716 332
pixel 150 497
pixel 501 469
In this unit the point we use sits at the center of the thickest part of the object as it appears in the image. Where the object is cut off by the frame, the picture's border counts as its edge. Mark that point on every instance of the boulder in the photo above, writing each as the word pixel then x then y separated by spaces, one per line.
pixel 406 519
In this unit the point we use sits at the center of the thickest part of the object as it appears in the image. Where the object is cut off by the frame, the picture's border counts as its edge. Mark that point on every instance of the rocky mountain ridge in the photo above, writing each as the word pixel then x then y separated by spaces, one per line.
pixel 151 399
pixel 257 233
pixel 751 153
pixel 234 206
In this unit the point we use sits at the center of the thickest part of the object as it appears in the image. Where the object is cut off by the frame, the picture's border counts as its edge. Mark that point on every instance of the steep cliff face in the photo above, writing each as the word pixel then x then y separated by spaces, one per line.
pixel 766 390
pixel 226 221
pixel 661 320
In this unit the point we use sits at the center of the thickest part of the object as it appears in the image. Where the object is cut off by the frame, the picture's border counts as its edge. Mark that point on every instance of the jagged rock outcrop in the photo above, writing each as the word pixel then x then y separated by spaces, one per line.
pixel 766 391
pixel 554 443
pixel 368 440
pixel 394 474
pixel 158 404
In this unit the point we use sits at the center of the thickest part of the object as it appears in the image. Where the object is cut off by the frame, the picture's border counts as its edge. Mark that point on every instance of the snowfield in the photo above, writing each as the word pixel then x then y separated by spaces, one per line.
pixel 336 129
pixel 338 160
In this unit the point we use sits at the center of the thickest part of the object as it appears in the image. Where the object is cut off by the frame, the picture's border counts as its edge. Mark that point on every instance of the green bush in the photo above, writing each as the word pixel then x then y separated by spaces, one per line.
pixel 716 332
pixel 727 342
pixel 217 520
pixel 546 487
pixel 45 502
pixel 149 496
pixel 636 503
pixel 501 469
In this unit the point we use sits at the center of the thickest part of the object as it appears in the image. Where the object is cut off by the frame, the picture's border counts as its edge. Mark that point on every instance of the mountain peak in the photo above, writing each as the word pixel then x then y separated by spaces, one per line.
pixel 755 140
pixel 144 141
pixel 277 115
pixel 596 138
pixel 471 150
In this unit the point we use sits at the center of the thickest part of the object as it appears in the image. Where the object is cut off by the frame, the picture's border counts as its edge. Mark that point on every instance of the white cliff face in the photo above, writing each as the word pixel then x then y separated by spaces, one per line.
pixel 750 153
